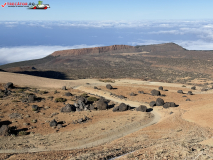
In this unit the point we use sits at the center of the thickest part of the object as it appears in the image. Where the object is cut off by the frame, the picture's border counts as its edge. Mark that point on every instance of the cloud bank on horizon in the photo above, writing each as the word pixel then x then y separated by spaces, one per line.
pixel 25 40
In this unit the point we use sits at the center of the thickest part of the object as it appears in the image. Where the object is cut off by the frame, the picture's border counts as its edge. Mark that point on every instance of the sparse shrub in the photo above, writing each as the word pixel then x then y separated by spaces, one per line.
pixel 15 101
pixel 34 120
pixel 107 80
pixel 21 133
pixel 20 90
pixel 43 92
pixel 92 99
pixel 55 91
pixel 131 155
pixel 60 99
pixel 84 95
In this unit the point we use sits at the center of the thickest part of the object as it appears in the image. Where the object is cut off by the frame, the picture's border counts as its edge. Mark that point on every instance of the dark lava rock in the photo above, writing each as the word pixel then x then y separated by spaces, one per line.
pixel 31 98
pixel 9 85
pixel 141 108
pixel 159 102
pixel 108 86
pixel 82 99
pixel 68 108
pixel 121 97
pixel 34 107
pixel 91 107
pixel 68 94
pixel 169 104
pixel 152 103
pixel 53 123
pixel 59 126
pixel 101 104
pixel 4 130
pixel 160 88
pixel 123 107
pixel 155 93
pixel 189 93
pixel 141 92
pixel 115 109
pixel 132 94
pixel 180 91
pixel 193 88
pixel 204 89
pixel 64 88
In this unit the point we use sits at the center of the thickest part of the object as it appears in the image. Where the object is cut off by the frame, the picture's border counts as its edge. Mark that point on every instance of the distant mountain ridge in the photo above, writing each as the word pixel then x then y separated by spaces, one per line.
pixel 94 50
pixel 167 62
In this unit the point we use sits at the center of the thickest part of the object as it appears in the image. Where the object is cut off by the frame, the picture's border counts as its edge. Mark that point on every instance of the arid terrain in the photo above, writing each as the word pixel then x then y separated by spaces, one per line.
pixel 181 132
pixel 123 102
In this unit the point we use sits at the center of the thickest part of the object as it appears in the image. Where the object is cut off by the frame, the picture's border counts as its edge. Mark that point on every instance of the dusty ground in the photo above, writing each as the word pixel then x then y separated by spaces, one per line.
pixel 183 132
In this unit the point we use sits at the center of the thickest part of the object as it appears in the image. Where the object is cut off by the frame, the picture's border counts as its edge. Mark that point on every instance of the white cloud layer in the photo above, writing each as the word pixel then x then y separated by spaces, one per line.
pixel 16 54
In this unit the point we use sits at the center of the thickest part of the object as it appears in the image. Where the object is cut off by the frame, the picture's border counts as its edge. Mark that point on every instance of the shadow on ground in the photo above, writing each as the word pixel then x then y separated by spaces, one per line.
pixel 46 74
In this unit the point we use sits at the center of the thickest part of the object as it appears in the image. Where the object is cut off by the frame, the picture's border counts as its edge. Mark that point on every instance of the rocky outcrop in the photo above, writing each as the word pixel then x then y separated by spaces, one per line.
pixel 95 50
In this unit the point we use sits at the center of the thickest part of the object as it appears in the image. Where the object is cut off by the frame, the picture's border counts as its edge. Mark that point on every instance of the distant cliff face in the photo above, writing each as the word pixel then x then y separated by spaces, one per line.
pixel 83 51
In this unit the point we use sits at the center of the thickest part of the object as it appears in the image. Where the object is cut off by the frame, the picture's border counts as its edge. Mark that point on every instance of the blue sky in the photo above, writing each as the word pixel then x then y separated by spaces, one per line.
pixel 30 34
pixel 77 10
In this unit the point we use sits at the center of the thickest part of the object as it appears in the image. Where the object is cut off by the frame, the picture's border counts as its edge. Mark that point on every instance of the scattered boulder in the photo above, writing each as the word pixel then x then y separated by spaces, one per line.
pixel 188 99
pixel 141 108
pixel 152 103
pixel 53 123
pixel 193 88
pixel 9 85
pixel 155 93
pixel 141 92
pixel 160 88
pixel 68 94
pixel 180 91
pixel 34 107
pixel 68 108
pixel 169 104
pixel 189 93
pixel 108 86
pixel 64 88
pixel 123 107
pixel 101 104
pixel 4 130
pixel 121 97
pixel 95 87
pixel 132 94
pixel 91 107
pixel 159 102
pixel 31 98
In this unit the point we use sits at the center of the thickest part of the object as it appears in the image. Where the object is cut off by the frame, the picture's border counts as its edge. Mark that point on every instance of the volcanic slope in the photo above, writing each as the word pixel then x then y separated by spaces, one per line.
pixel 163 62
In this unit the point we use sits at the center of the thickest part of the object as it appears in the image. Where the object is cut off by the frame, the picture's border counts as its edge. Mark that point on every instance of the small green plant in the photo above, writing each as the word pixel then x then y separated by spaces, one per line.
pixel 21 133
pixel 55 91
pixel 84 95
pixel 107 80
pixel 15 101
pixel 92 99
pixel 20 90
pixel 60 100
